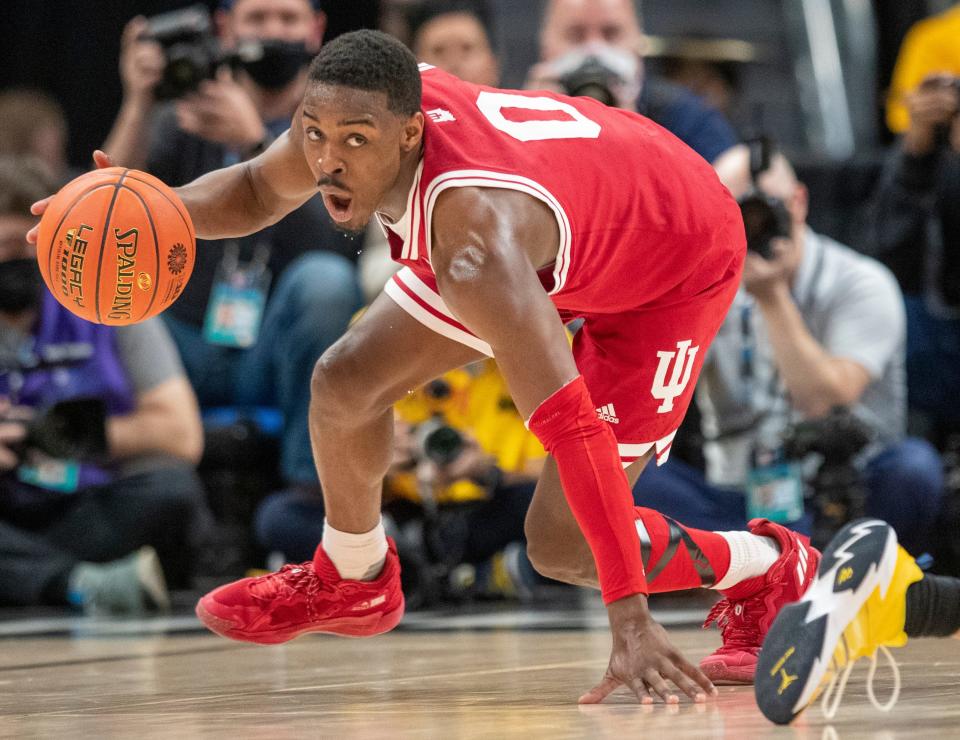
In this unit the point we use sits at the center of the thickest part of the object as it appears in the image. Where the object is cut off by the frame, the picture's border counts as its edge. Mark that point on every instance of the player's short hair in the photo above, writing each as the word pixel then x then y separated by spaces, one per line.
pixel 374 61
pixel 23 181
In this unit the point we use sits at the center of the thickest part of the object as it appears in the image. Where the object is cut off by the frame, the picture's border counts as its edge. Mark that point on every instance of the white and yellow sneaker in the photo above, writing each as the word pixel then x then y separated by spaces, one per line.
pixel 856 605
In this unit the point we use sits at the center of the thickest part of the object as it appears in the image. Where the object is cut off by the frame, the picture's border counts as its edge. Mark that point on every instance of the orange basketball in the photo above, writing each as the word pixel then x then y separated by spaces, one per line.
pixel 116 246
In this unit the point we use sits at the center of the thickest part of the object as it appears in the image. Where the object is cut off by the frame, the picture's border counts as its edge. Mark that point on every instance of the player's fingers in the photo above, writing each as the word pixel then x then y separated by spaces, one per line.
pixel 101 159
pixel 40 206
pixel 641 690
pixel 659 686
pixel 33 234
pixel 683 682
pixel 698 676
pixel 600 692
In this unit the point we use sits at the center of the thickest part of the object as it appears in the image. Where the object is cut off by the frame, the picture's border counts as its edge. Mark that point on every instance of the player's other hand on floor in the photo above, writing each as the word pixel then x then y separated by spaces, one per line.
pixel 644 661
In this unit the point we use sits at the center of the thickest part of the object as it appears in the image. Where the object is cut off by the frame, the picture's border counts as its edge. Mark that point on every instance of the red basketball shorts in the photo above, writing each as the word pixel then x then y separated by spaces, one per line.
pixel 640 366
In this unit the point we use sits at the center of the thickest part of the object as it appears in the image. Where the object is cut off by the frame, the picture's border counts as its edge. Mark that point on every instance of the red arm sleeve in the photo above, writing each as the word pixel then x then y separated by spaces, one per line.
pixel 595 486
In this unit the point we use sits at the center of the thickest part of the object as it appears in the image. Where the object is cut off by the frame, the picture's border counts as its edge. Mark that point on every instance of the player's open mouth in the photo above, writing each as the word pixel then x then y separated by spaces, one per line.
pixel 340 208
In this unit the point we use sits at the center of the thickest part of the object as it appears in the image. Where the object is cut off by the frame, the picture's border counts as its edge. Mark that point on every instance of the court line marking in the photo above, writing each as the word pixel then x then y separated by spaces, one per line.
pixel 118 658
pixel 378 681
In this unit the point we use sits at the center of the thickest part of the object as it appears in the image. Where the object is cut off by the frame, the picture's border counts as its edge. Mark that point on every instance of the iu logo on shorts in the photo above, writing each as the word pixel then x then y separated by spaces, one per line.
pixel 682 362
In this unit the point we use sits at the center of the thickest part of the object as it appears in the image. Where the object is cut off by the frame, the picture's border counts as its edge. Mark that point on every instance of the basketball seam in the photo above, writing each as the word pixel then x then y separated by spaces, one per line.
pixel 186 221
pixel 103 241
pixel 156 248
pixel 66 215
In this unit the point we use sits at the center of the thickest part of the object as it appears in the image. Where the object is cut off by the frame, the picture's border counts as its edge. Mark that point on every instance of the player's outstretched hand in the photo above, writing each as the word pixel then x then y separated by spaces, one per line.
pixel 100 159
pixel 644 660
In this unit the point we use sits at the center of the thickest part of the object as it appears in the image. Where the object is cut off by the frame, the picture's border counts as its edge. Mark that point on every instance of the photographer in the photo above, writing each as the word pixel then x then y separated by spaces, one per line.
pixel 256 313
pixel 814 327
pixel 914 228
pixel 929 48
pixel 593 47
pixel 99 435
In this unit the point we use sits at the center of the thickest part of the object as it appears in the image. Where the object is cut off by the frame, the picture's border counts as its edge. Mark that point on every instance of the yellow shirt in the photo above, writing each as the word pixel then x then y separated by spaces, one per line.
pixel 932 45
pixel 479 404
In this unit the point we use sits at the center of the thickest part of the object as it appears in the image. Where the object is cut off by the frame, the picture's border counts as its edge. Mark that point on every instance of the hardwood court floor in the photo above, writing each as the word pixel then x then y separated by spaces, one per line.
pixel 480 684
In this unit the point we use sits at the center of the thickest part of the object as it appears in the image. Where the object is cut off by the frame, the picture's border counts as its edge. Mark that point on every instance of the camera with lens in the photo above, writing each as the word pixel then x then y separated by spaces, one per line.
pixel 837 487
pixel 190 47
pixel 438 441
pixel 69 430
pixel 765 218
pixel 592 79
pixel 434 439
pixel 193 54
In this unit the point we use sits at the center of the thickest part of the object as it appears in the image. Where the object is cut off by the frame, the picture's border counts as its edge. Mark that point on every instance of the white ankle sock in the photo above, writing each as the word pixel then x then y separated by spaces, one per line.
pixel 750 555
pixel 357 557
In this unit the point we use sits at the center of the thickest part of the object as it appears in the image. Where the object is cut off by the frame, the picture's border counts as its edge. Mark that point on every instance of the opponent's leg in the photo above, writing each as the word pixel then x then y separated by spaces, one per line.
pixel 382 357
pixel 857 605
pixel 869 595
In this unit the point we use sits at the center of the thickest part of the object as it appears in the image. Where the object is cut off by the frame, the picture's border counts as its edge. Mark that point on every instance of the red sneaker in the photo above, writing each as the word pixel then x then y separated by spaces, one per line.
pixel 309 597
pixel 744 622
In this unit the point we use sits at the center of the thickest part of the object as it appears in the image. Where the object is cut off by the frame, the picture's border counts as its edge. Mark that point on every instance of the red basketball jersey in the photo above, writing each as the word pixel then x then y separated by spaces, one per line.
pixel 643 218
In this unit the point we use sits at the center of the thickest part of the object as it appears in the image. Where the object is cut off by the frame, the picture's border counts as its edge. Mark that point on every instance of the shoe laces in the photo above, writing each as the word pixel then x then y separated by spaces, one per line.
pixel 830 702
pixel 300 579
pixel 295 578
pixel 738 621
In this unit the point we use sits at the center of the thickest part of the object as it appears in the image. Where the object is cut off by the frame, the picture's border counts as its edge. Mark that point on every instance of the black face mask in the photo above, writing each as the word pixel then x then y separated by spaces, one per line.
pixel 20 285
pixel 271 63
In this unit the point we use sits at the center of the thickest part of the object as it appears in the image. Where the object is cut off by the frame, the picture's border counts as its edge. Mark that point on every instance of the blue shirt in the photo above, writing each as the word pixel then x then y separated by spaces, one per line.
pixel 686 116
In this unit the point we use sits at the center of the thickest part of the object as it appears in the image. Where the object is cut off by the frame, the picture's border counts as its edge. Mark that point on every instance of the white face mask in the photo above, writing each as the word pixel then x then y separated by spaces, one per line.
pixel 626 69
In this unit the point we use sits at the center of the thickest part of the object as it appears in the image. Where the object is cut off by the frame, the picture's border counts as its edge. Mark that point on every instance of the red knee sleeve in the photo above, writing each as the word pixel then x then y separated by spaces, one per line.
pixel 595 486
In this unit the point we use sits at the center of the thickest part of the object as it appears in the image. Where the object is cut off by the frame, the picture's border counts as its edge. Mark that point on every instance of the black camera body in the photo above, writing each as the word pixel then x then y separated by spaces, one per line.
pixel 438 441
pixel 764 219
pixel 592 79
pixel 434 439
pixel 74 429
pixel 838 490
pixel 194 54
pixel 192 51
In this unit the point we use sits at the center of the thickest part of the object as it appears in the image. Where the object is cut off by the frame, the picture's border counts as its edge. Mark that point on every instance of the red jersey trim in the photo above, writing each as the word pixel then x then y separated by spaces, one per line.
pixel 412 215
pixel 426 306
pixel 491 179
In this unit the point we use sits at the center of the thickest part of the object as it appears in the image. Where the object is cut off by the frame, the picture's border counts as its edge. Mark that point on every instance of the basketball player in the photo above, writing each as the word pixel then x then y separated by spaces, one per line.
pixel 868 595
pixel 511 212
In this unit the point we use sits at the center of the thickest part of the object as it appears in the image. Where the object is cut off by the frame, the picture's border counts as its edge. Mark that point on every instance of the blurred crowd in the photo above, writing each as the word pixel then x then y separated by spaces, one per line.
pixel 146 458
